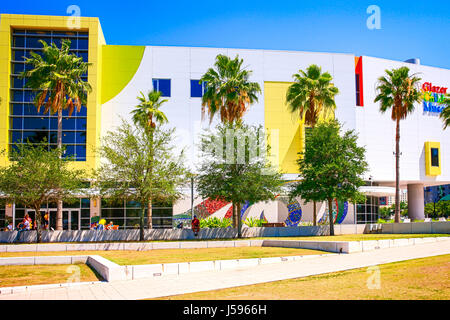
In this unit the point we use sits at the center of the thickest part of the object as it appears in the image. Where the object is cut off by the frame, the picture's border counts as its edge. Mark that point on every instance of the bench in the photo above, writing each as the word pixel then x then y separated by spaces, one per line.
pixel 271 225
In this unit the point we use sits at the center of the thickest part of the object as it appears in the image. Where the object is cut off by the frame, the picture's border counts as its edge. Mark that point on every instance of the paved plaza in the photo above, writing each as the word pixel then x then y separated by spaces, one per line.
pixel 212 280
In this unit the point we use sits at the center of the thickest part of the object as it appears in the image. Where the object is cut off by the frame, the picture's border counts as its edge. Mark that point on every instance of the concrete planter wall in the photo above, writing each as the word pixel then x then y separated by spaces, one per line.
pixel 417 227
pixel 220 233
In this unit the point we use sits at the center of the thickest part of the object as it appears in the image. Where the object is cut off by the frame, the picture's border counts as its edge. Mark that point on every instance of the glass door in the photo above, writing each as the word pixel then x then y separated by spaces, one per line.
pixel 74 219
pixel 71 219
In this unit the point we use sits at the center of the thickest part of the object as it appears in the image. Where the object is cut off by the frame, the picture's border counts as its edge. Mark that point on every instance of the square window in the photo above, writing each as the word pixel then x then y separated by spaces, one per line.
pixel 18 55
pixel 196 89
pixel 83 44
pixel 18 42
pixel 162 85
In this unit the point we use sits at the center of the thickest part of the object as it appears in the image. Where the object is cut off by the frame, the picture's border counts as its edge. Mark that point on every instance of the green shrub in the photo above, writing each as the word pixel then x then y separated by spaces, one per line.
pixel 214 222
pixel 253 222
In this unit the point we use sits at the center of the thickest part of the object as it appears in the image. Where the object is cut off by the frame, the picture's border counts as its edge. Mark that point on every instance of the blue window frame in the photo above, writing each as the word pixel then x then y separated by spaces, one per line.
pixel 162 85
pixel 197 89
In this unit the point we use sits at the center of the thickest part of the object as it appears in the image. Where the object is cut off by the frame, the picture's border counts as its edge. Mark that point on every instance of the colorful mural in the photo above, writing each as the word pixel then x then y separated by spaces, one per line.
pixel 340 209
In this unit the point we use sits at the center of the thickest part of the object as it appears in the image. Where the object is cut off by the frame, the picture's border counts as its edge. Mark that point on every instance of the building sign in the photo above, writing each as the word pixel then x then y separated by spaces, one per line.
pixel 433 96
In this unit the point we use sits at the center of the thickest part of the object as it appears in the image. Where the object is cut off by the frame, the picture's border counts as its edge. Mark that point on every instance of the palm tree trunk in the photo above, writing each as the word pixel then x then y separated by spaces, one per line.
pixel 397 173
pixel 149 214
pixel 141 224
pixel 330 215
pixel 314 213
pixel 59 224
pixel 238 216
pixel 233 216
pixel 37 220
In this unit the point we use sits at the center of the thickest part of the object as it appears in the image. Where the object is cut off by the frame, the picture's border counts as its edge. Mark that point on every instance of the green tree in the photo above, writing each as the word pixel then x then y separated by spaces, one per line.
pixel 137 168
pixel 443 208
pixel 331 167
pixel 311 95
pixel 228 90
pixel 398 91
pixel 146 115
pixel 36 176
pixel 235 168
pixel 445 114
pixel 56 77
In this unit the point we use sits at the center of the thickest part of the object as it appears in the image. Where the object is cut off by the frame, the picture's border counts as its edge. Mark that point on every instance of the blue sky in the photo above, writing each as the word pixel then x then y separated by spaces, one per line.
pixel 409 29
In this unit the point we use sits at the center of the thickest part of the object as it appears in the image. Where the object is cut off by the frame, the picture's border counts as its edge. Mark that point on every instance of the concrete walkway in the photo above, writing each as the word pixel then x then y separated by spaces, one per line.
pixel 212 280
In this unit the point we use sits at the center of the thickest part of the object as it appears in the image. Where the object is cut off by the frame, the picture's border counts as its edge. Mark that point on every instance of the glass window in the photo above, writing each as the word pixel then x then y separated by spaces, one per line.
pixel 360 208
pixel 68 123
pixel 133 213
pixel 80 152
pixel 434 157
pixel 113 213
pixel 18 42
pixel 80 137
pixel 85 203
pixel 17 109
pixel 162 85
pixel 84 55
pixel 33 42
pixel 18 55
pixel 53 137
pixel 35 136
pixel 16 136
pixel 111 203
pixel 196 89
pixel 83 44
pixel 17 83
pixel 81 124
pixel 31 110
pixel 41 123
pixel 17 123
pixel 17 95
pixel 132 223
pixel 68 137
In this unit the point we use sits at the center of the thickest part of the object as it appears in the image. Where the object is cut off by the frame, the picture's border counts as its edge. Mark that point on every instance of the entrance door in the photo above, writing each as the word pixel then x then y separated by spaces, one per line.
pixel 71 219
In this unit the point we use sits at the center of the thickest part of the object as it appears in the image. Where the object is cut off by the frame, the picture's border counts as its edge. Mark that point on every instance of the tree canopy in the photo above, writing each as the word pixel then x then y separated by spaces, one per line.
pixel 138 166
pixel 331 166
pixel 37 175
pixel 235 168
pixel 229 92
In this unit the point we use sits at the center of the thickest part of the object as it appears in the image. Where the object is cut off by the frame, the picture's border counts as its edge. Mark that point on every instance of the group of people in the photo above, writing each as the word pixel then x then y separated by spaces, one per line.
pixel 101 225
pixel 28 224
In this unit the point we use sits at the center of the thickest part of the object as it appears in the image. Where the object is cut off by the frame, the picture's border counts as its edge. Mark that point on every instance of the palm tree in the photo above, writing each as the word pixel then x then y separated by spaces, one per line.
pixel 146 115
pixel 311 95
pixel 228 93
pixel 445 114
pixel 56 77
pixel 228 90
pixel 148 110
pixel 398 91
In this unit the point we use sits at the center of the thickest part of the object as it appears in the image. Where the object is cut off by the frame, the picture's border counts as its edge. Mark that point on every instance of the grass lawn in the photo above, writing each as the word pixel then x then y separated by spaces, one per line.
pixel 11 276
pixel 419 279
pixel 177 255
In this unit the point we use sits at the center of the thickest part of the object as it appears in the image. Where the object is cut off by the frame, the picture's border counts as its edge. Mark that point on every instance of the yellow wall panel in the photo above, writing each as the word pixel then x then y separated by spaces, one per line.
pixel 290 131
